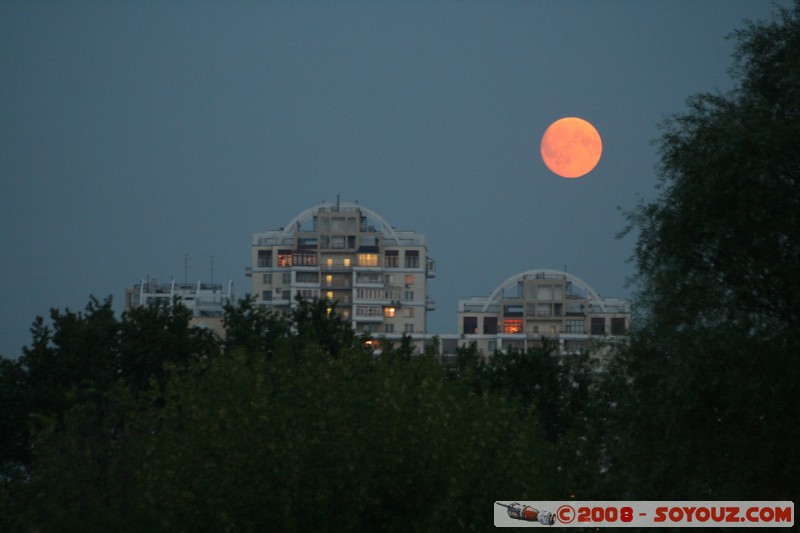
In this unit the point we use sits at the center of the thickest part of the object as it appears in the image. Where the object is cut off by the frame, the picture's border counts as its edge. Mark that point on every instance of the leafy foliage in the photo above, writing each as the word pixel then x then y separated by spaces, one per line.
pixel 713 375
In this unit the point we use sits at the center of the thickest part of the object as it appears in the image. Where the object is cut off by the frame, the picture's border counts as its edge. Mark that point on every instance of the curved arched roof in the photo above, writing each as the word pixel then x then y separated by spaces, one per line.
pixel 591 294
pixel 309 213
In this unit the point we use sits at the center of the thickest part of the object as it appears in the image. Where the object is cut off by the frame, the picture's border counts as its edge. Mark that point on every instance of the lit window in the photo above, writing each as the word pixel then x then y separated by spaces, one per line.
pixel 368 260
pixel 329 295
pixel 388 312
pixel 329 262
pixel 347 262
pixel 409 279
pixel 284 258
pixel 512 326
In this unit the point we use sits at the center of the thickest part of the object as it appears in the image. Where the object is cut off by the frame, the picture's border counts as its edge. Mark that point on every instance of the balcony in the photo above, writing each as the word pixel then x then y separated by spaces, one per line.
pixel 336 268
pixel 430 268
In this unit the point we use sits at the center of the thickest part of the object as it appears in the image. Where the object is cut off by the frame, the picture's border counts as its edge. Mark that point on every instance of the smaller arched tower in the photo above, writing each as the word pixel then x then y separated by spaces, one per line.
pixel 540 304
pixel 378 276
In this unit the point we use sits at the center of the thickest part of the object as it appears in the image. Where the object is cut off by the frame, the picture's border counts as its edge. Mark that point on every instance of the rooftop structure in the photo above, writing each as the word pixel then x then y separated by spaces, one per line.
pixel 542 304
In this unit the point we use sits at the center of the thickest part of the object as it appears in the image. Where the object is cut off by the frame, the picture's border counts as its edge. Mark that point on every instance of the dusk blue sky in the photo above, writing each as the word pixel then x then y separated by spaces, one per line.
pixel 136 132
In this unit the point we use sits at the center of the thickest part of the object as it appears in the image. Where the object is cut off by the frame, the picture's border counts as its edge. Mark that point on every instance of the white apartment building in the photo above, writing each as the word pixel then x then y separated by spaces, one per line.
pixel 377 276
pixel 539 304
pixel 206 301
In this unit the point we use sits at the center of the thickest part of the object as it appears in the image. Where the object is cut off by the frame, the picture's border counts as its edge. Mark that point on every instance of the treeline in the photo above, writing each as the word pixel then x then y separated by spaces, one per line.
pixel 290 423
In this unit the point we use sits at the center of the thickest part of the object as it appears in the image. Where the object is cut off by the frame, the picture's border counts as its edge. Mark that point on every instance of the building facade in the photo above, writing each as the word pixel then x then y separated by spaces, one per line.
pixel 376 275
pixel 542 304
pixel 206 301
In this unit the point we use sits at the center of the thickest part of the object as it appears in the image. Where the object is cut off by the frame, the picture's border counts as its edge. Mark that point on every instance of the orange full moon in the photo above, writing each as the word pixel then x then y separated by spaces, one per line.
pixel 571 147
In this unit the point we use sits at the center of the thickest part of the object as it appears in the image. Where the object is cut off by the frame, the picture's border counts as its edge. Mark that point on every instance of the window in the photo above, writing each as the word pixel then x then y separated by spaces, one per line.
pixel 542 309
pixel 266 296
pixel 574 326
pixel 512 310
pixel 329 295
pixel 368 260
pixel 408 312
pixel 544 292
pixel 574 309
pixel 490 325
pixel 265 258
pixel 598 325
pixel 266 279
pixel 337 242
pixel 409 279
pixel 470 325
pixel 329 262
pixel 388 312
pixel 308 294
pixel 286 278
pixel 347 262
pixel 368 240
pixel 618 326
pixel 388 328
pixel 307 277
pixel 388 279
pixel 552 330
pixel 391 259
pixel 368 310
pixel 286 295
pixel 374 294
pixel 412 258
pixel 369 277
pixel 408 295
pixel 409 328
pixel 304 259
pixel 512 325
pixel 284 258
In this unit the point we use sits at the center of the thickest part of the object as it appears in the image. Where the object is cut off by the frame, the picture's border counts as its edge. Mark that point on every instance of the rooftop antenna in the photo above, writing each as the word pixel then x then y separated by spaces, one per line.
pixel 337 202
